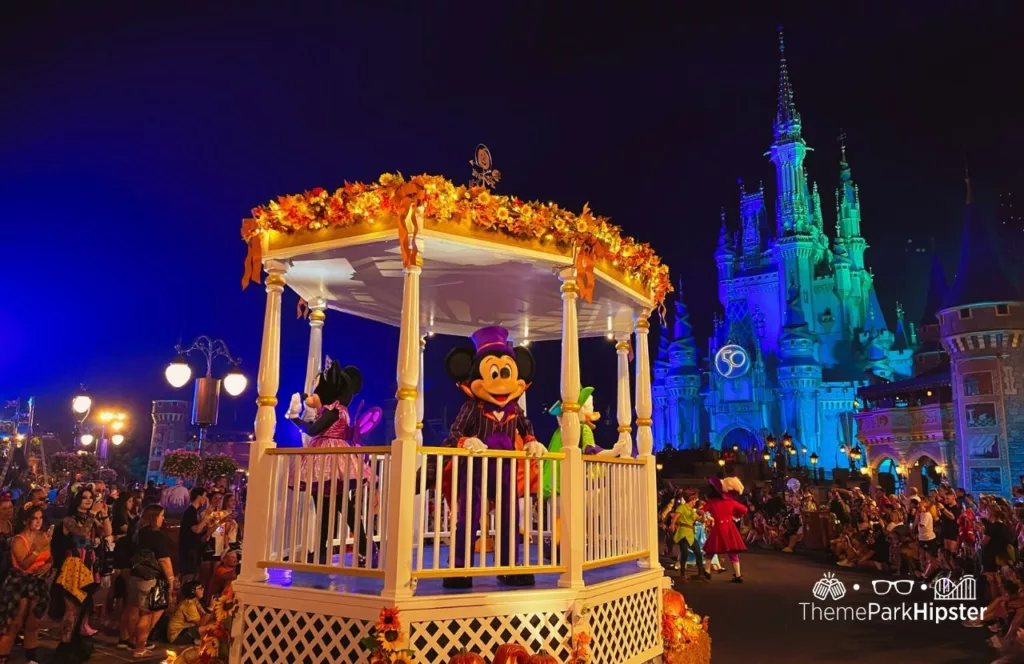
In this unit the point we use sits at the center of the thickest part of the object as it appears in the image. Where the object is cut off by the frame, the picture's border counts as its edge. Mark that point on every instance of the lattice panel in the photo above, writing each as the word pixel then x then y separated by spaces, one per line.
pixel 436 641
pixel 281 636
pixel 626 627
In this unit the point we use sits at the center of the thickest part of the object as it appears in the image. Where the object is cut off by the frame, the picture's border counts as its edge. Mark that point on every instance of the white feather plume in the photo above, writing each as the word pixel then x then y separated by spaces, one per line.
pixel 732 484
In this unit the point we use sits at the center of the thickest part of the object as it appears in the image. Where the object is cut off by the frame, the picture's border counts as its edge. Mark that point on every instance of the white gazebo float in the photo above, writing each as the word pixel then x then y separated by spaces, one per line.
pixel 432 257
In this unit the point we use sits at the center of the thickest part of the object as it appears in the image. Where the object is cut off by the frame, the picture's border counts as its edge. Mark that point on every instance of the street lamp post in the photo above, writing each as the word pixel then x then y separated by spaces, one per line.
pixel 206 398
pixel 117 421
pixel 81 406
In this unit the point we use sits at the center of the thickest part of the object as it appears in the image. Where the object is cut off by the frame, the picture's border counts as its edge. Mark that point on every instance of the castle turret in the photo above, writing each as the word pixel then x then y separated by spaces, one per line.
pixel 170 432
pixel 725 258
pixel 799 374
pixel 659 389
pixel 848 238
pixel 684 377
pixel 752 214
pixel 981 323
pixel 929 353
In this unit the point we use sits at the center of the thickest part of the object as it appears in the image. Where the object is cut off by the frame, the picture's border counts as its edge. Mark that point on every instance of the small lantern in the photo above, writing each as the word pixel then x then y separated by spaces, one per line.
pixel 814 459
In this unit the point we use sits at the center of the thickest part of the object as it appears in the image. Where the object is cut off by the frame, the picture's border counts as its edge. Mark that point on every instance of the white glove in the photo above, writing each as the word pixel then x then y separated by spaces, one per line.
pixel 308 414
pixel 474 445
pixel 534 449
pixel 623 449
pixel 295 407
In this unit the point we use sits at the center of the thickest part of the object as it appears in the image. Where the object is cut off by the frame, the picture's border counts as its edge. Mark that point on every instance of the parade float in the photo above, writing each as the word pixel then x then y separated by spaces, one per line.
pixel 432 257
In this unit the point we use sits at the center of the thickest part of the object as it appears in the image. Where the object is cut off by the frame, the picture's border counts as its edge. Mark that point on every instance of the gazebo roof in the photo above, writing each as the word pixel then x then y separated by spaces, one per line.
pixel 486 259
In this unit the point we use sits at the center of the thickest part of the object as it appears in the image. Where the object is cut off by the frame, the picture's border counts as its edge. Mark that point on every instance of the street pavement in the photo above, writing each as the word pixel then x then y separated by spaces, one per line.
pixel 761 620
pixel 106 650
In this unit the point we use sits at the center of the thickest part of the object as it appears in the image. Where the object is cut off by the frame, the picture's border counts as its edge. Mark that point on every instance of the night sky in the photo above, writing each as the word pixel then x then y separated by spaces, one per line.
pixel 138 135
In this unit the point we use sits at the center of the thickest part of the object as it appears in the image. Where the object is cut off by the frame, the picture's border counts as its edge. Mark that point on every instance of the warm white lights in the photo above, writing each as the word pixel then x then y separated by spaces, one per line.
pixel 87 439
pixel 235 382
pixel 178 373
pixel 81 404
pixel 117 439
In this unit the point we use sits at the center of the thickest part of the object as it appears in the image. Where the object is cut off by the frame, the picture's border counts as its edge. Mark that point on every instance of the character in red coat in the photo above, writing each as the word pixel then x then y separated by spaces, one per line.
pixel 723 536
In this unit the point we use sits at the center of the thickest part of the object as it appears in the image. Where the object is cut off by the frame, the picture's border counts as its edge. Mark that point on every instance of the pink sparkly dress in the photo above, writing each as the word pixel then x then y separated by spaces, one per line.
pixel 338 467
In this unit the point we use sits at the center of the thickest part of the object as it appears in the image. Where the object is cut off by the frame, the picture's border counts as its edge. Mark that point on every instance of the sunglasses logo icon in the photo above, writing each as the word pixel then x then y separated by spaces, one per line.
pixel 901 586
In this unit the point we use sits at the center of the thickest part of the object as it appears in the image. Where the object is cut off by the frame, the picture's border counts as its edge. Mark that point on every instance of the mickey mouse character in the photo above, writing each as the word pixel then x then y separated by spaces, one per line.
pixel 493 376
pixel 326 420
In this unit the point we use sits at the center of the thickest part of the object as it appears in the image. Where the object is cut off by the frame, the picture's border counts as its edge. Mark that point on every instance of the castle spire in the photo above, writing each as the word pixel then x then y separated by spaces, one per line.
pixel 787 120
pixel 682 331
pixel 847 197
pixel 937 289
pixel 980 277
pixel 724 240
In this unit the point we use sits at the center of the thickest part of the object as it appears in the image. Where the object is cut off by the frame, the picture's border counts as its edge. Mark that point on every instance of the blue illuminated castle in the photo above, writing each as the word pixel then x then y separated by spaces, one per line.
pixel 802 326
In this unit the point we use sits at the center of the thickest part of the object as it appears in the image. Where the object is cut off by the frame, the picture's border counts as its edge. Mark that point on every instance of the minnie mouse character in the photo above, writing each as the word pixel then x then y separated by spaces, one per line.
pixel 493 375
pixel 326 420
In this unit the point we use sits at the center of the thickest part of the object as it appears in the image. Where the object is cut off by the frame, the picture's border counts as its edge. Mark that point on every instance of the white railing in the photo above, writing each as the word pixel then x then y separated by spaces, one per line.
pixel 324 499
pixel 614 511
pixel 442 548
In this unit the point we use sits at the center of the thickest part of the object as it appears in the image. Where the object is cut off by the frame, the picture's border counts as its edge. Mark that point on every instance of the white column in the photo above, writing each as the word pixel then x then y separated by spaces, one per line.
pixel 315 358
pixel 623 410
pixel 645 439
pixel 258 510
pixel 401 487
pixel 571 473
pixel 418 497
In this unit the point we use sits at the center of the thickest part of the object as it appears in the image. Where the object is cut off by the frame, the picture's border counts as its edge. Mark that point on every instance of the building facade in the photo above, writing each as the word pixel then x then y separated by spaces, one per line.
pixel 676 388
pixel 982 329
pixel 802 327
pixel 908 427
pixel 170 432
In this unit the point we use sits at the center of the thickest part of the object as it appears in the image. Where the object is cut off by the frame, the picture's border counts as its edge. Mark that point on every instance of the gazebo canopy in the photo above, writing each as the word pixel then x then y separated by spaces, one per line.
pixel 486 259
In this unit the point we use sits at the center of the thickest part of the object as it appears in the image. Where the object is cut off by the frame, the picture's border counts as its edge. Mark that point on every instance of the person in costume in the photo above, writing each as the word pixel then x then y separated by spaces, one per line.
pixel 327 422
pixel 684 521
pixel 550 482
pixel 723 536
pixel 700 533
pixel 493 375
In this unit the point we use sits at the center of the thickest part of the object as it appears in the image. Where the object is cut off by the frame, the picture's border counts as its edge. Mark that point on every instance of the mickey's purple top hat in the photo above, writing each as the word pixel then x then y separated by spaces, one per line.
pixel 493 337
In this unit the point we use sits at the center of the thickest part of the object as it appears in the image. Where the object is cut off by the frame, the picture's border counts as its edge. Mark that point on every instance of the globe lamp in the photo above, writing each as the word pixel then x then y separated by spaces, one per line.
pixel 178 372
pixel 235 382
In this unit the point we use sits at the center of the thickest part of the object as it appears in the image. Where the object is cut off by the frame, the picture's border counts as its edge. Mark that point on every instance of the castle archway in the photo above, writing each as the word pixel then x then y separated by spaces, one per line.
pixel 887 476
pixel 924 474
pixel 739 436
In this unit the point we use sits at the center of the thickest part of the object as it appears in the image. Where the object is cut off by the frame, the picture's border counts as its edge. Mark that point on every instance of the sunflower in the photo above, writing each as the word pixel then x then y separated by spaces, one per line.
pixel 483 198
pixel 404 657
pixel 390 639
pixel 502 214
pixel 388 620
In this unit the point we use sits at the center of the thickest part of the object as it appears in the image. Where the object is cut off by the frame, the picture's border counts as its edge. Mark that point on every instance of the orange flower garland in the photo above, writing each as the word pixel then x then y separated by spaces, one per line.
pixel 587 237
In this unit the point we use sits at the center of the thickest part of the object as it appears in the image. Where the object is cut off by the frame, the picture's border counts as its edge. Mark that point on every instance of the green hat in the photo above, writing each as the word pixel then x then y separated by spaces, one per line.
pixel 556 408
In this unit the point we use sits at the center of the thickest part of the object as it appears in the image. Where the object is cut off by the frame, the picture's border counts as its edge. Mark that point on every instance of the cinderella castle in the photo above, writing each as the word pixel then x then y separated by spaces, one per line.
pixel 802 328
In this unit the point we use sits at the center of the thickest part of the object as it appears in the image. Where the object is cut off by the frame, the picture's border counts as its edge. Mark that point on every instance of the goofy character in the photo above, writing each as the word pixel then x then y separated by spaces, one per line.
pixel 493 376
